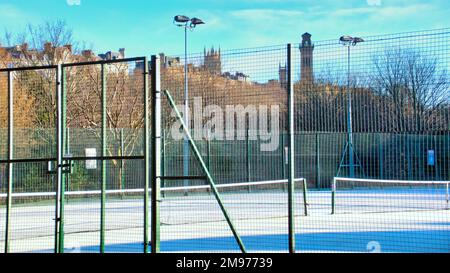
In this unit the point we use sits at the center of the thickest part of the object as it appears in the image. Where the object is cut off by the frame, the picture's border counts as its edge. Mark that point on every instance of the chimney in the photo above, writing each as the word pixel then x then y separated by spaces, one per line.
pixel 48 47
pixel 24 47
pixel 122 52
pixel 87 53
pixel 69 47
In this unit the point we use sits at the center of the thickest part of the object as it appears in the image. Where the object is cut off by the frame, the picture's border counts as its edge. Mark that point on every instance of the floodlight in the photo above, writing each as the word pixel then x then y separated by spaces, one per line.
pixel 181 19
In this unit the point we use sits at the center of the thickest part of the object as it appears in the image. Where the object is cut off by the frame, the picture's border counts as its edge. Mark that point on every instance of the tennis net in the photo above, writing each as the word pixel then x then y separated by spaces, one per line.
pixel 180 206
pixel 358 195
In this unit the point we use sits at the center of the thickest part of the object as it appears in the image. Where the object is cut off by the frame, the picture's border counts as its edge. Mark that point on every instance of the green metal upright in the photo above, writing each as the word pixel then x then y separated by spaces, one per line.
pixel 103 154
pixel 436 161
pixel 247 157
pixel 122 162
pixel 380 156
pixel 156 154
pixel 318 182
pixel 333 196
pixel 447 153
pixel 291 163
pixel 208 151
pixel 408 156
pixel 10 157
pixel 163 159
pixel 67 151
pixel 283 161
pixel 61 176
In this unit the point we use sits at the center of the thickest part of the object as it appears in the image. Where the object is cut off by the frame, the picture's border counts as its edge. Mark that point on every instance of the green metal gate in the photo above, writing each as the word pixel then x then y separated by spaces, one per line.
pixel 68 134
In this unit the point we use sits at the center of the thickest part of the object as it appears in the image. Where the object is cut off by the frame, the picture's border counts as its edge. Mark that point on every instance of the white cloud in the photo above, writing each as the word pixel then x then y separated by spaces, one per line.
pixel 10 12
pixel 73 2
pixel 374 2
pixel 266 14
pixel 12 18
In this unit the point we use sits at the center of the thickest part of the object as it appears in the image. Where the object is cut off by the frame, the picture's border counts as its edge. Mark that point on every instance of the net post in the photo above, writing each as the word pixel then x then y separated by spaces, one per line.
pixel 155 155
pixel 122 162
pixel 447 195
pixel 208 174
pixel 319 185
pixel 305 195
pixel 67 151
pixel 103 142
pixel 380 156
pixel 208 150
pixel 10 157
pixel 163 160
pixel 283 161
pixel 247 157
pixel 291 163
pixel 333 196
pixel 436 164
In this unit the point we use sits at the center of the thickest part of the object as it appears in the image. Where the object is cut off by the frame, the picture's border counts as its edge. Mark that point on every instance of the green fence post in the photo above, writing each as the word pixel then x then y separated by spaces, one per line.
pixel 305 196
pixel 156 153
pixel 380 156
pixel 283 161
pixel 163 159
pixel 67 151
pixel 10 157
pixel 247 157
pixel 447 153
pixel 333 196
pixel 319 184
pixel 122 163
pixel 103 179
pixel 408 156
pixel 208 151
pixel 61 176
pixel 436 161
pixel 291 176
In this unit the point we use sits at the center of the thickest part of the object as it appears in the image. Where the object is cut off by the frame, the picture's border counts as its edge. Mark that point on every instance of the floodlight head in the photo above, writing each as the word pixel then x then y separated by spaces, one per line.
pixel 196 21
pixel 346 39
pixel 181 19
pixel 357 40
pixel 349 40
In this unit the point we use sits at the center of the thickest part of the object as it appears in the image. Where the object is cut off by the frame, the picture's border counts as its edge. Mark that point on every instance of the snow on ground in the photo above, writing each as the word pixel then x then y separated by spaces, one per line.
pixel 383 221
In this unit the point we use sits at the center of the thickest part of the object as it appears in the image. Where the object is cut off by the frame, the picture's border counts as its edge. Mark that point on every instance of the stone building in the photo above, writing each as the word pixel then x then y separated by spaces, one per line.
pixel 237 76
pixel 306 52
pixel 167 61
pixel 111 55
pixel 282 76
pixel 212 61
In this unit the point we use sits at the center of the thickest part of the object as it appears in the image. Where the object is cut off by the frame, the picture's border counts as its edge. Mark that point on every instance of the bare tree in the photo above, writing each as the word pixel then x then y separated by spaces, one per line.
pixel 124 110
pixel 415 86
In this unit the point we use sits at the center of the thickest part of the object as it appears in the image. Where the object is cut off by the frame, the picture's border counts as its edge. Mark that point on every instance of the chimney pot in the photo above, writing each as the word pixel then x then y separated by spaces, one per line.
pixel 69 47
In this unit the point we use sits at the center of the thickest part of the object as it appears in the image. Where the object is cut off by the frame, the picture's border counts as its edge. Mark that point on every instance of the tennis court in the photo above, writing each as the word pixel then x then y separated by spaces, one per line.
pixel 366 220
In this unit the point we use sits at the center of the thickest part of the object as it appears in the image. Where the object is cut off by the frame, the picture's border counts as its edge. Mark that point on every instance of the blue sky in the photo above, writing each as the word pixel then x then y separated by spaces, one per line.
pixel 144 27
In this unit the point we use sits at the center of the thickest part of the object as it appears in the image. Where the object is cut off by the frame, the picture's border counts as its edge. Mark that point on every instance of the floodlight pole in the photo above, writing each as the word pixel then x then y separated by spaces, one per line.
pixel 186 23
pixel 186 111
pixel 351 158
pixel 349 41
